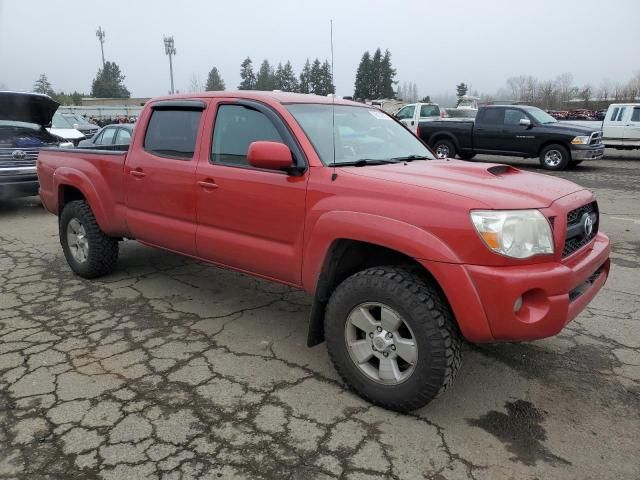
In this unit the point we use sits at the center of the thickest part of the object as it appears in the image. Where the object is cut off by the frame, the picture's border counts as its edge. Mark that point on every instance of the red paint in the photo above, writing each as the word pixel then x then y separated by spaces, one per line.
pixel 281 227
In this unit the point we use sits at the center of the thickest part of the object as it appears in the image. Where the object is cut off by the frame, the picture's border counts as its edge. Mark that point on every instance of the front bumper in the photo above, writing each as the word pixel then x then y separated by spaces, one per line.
pixel 553 294
pixel 12 186
pixel 587 152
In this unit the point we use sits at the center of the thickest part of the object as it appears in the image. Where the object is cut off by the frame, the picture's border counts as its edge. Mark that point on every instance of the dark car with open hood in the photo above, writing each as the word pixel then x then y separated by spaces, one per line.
pixel 23 121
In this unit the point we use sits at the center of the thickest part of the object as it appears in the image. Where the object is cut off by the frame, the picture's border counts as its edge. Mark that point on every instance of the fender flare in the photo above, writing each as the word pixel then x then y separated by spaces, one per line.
pixel 444 135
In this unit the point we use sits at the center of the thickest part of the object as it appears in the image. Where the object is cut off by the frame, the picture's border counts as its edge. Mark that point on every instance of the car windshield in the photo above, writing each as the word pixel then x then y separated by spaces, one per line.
pixel 360 133
pixel 540 116
pixel 58 121
pixel 70 117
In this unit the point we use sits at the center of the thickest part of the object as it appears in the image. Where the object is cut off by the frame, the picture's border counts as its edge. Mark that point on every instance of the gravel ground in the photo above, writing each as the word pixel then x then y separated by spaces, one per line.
pixel 172 369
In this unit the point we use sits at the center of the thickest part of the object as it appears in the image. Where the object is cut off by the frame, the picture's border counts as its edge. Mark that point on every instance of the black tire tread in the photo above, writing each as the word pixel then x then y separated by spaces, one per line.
pixel 103 249
pixel 409 284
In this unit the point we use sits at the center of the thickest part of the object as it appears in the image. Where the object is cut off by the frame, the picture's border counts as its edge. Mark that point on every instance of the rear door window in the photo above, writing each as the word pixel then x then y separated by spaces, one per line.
pixel 107 136
pixel 493 116
pixel 123 137
pixel 172 133
pixel 429 111
pixel 236 127
pixel 635 116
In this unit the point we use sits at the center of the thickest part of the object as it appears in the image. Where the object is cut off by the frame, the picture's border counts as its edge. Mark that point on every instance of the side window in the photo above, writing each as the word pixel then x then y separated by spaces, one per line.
pixel 513 117
pixel 635 116
pixel 406 112
pixel 429 111
pixel 172 133
pixel 614 114
pixel 98 138
pixel 621 114
pixel 236 127
pixel 493 116
pixel 107 136
pixel 123 137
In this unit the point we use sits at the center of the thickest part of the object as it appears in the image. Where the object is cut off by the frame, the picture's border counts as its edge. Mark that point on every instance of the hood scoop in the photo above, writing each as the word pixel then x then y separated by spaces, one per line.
pixel 498 170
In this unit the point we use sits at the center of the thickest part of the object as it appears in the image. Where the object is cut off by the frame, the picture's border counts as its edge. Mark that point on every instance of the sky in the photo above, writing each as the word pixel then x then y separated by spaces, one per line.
pixel 434 43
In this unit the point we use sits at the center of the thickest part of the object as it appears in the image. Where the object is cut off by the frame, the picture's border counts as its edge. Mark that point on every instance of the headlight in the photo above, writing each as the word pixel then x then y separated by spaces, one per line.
pixel 582 140
pixel 514 233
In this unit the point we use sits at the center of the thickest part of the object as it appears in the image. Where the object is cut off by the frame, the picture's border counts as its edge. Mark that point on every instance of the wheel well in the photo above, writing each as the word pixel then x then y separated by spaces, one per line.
pixel 345 258
pixel 554 142
pixel 68 194
pixel 444 136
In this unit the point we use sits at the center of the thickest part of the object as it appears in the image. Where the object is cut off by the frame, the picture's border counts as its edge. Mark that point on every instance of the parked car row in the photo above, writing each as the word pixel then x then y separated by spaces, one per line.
pixel 578 114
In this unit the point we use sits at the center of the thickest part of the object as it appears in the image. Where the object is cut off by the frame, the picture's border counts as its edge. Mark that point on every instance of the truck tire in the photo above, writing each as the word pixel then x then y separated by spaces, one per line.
pixel 555 157
pixel 466 156
pixel 89 251
pixel 574 163
pixel 392 338
pixel 444 148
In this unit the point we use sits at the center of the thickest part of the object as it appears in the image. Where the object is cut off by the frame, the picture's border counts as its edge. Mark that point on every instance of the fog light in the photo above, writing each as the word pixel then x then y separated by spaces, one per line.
pixel 517 305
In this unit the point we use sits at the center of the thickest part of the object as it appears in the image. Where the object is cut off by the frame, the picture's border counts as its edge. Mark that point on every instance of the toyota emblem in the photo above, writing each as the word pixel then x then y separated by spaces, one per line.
pixel 587 224
pixel 19 154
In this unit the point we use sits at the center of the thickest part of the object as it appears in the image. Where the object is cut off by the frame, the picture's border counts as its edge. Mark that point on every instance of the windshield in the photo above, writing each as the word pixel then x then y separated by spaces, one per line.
pixel 73 118
pixel 361 133
pixel 58 121
pixel 540 116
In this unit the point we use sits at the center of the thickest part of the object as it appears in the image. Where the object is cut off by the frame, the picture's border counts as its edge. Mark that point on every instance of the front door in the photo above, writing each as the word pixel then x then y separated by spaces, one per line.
pixel 407 116
pixel 160 177
pixel 515 137
pixel 249 219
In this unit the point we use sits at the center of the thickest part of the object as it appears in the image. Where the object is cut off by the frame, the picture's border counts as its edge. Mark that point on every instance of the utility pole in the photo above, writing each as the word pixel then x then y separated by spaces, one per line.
pixel 170 50
pixel 101 34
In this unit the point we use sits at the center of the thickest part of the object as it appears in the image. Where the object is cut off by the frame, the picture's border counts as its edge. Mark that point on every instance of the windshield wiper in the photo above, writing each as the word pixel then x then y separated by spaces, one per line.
pixel 365 161
pixel 410 158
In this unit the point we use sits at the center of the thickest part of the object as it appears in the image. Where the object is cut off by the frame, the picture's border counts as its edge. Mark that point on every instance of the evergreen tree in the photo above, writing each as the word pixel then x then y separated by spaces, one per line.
pixel 214 81
pixel 315 77
pixel 414 93
pixel 362 78
pixel 375 87
pixel 388 76
pixel 305 78
pixel 42 85
pixel 109 82
pixel 265 79
pixel 246 74
pixel 286 78
pixel 325 83
pixel 461 91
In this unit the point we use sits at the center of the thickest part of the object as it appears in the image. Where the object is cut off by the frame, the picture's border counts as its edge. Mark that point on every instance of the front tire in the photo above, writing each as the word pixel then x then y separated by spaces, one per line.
pixel 467 156
pixel 89 251
pixel 392 337
pixel 555 157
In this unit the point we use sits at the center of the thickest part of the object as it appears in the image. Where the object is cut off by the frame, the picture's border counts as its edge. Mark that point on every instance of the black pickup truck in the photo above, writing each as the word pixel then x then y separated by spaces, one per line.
pixel 514 130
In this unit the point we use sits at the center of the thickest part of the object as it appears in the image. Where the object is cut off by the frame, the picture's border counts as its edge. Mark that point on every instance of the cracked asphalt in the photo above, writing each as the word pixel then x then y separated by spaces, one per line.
pixel 172 369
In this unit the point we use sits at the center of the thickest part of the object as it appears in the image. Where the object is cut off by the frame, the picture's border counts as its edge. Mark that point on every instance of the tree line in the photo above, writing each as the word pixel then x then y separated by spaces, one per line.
pixel 315 77
pixel 375 76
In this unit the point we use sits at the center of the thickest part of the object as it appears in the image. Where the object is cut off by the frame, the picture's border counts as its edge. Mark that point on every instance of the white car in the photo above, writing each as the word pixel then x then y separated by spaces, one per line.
pixel 60 127
pixel 621 126
pixel 414 113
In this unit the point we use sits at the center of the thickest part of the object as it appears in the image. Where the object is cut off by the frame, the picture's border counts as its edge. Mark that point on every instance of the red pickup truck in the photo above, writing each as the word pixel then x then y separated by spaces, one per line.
pixel 405 255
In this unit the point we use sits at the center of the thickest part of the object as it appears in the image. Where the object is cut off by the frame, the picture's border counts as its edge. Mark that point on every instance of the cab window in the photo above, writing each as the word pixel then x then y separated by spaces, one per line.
pixel 172 133
pixel 406 112
pixel 107 136
pixel 236 127
pixel 429 111
pixel 513 116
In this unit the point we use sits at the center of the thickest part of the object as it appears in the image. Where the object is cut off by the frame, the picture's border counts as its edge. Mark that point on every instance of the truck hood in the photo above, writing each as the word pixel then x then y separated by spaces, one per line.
pixel 27 107
pixel 492 185
pixel 570 128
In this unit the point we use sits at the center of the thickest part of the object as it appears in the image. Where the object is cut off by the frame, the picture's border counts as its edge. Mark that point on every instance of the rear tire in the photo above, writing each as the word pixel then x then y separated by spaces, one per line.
pixel 444 149
pixel 555 157
pixel 397 296
pixel 89 251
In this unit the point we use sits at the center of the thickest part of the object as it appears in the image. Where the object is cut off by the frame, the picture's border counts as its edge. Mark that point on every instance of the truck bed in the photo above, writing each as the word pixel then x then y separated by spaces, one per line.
pixel 460 131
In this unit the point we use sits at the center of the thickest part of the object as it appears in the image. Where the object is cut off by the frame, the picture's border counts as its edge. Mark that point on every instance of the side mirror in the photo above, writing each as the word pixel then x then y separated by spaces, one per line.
pixel 525 122
pixel 270 155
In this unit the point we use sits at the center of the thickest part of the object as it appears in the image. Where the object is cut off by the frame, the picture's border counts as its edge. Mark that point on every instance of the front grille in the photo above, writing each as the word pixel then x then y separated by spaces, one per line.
pixel 577 236
pixel 596 138
pixel 8 157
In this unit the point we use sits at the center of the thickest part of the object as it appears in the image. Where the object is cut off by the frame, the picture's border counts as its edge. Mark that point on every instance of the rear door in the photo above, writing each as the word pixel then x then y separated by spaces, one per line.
pixel 160 176
pixel 632 127
pixel 487 130
pixel 249 219
pixel 613 131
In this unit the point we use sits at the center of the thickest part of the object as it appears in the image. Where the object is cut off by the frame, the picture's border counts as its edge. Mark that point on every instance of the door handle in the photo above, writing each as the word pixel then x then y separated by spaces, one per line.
pixel 138 173
pixel 208 184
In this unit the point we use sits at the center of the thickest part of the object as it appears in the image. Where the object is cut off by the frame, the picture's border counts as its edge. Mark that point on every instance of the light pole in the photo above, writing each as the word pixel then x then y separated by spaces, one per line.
pixel 101 34
pixel 170 50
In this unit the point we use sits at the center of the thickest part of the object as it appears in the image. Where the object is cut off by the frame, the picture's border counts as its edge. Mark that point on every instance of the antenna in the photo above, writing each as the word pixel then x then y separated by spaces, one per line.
pixel 334 175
